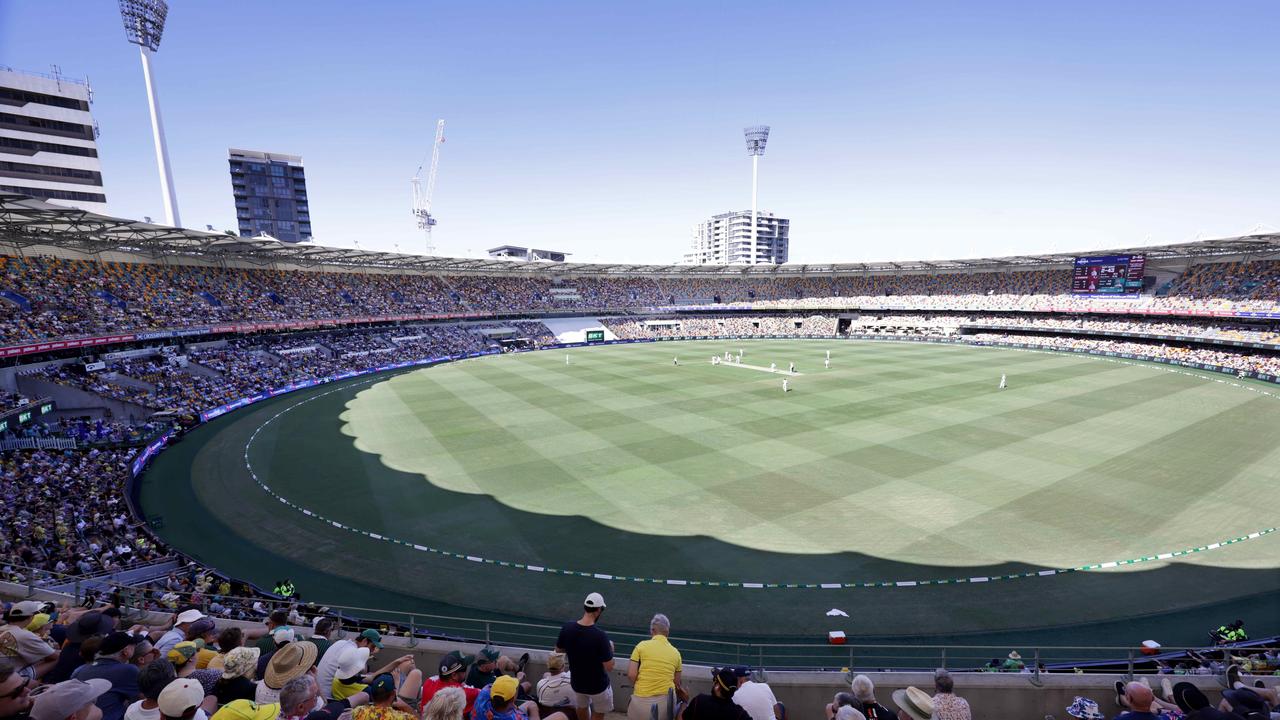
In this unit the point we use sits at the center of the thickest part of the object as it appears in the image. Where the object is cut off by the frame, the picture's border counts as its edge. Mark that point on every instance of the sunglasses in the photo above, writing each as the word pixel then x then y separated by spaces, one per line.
pixel 13 694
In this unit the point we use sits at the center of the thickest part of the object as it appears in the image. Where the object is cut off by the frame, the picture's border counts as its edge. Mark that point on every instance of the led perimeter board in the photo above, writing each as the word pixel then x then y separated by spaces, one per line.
pixel 1109 274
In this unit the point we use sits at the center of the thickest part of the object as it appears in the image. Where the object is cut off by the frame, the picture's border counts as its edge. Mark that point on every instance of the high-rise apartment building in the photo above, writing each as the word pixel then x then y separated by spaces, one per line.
pixel 271 195
pixel 48 140
pixel 725 239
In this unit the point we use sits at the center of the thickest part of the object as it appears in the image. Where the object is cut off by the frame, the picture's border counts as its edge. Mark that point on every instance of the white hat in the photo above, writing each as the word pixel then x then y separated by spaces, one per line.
pixel 58 702
pixel 179 696
pixel 593 601
pixel 188 616
pixel 352 662
pixel 283 634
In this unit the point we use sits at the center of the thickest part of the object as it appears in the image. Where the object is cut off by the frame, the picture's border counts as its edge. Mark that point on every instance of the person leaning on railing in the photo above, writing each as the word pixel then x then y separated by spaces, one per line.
pixel 655 670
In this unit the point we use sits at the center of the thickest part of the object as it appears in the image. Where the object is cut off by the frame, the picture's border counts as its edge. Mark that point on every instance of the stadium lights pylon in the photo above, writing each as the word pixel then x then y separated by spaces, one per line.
pixel 143 26
pixel 757 136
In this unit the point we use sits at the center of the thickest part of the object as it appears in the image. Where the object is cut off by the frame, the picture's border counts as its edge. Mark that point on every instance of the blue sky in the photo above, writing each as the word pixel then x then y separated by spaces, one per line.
pixel 901 130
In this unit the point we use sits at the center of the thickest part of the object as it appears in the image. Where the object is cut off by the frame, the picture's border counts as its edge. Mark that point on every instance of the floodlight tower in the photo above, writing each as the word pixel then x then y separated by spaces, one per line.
pixel 143 26
pixel 757 136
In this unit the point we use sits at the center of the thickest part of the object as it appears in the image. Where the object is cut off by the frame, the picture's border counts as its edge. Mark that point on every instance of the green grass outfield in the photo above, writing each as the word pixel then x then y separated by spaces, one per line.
pixel 901 463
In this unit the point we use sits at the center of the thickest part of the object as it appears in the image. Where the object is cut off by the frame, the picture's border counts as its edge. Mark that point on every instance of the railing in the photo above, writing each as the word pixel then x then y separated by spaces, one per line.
pixel 417 627
pixel 38 444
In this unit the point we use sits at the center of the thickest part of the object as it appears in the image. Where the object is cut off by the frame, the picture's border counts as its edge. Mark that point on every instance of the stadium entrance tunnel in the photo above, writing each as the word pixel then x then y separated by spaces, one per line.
pixel 491 523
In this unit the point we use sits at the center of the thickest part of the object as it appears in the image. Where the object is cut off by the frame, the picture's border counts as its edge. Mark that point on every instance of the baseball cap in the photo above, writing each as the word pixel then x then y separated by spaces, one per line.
pixel 24 610
pixel 247 710
pixel 488 653
pixel 452 663
pixel 381 685
pixel 58 702
pixel 283 634
pixel 180 696
pixel 504 688
pixel 726 678
pixel 182 652
pixel 741 671
pixel 117 641
pixel 593 601
pixel 203 626
pixel 90 624
pixel 188 616
pixel 373 636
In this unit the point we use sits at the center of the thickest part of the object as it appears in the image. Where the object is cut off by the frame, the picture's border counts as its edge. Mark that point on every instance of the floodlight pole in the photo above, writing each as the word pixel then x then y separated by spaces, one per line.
pixel 143 26
pixel 167 192
pixel 757 136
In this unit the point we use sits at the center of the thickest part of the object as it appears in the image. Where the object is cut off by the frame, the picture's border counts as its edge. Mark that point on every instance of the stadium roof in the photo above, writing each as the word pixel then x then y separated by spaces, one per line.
pixel 26 223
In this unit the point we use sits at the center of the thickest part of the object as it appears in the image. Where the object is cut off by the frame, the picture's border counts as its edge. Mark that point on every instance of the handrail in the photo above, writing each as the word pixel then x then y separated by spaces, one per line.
pixel 775 655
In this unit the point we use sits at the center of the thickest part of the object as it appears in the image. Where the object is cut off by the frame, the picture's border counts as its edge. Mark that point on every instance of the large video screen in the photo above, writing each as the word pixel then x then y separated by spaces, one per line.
pixel 1109 274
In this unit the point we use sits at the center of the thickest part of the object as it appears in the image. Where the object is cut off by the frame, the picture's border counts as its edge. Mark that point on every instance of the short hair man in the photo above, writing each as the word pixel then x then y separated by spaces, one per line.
pixel 113 665
pixel 15 695
pixel 717 704
pixel 756 698
pixel 590 654
pixel 452 668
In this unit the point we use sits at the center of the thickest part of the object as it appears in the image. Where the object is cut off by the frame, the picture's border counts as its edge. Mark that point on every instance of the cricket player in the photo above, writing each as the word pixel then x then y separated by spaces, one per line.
pixel 785 387
pixel 827 363
pixel 828 354
pixel 773 367
pixel 1003 382
pixel 792 368
pixel 566 359
pixel 675 361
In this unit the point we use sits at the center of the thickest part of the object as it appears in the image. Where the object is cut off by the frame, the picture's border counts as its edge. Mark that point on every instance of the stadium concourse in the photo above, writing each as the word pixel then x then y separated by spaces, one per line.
pixel 263 424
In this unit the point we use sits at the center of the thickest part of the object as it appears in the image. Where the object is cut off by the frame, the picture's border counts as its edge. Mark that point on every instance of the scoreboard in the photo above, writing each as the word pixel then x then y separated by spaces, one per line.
pixel 1109 274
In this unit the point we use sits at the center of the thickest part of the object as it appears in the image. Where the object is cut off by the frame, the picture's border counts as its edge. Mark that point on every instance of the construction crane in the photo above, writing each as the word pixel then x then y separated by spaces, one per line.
pixel 421 200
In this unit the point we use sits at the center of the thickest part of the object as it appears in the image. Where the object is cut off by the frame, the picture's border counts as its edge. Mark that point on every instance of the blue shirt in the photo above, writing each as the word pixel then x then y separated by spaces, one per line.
pixel 124 685
pixel 483 709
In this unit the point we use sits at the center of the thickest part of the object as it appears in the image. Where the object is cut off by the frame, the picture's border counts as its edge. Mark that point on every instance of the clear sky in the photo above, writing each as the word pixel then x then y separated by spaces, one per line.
pixel 901 130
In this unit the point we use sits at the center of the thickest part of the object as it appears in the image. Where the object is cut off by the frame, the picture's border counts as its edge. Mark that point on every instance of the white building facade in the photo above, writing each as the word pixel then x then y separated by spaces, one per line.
pixel 48 141
pixel 725 239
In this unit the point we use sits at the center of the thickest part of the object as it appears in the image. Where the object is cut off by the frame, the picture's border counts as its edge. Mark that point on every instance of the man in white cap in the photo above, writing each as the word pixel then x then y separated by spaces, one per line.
pixel 182 700
pixel 70 700
pixel 181 622
pixel 33 655
pixel 590 654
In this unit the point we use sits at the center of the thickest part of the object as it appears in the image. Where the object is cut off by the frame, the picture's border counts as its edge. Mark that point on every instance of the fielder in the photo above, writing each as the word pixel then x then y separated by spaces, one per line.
pixel 785 387
pixel 675 361
pixel 566 359
pixel 773 367
pixel 828 355
pixel 827 363
pixel 1003 382
pixel 792 368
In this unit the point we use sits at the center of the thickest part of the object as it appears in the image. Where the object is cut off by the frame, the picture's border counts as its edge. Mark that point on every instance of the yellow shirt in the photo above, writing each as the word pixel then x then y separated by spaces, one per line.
pixel 342 691
pixel 659 662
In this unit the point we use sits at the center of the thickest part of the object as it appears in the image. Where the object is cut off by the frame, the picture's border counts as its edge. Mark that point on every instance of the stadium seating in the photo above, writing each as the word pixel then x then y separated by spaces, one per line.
pixel 65 513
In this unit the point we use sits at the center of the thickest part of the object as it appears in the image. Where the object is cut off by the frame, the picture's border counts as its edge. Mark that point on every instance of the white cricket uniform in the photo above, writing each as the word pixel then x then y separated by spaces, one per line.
pixel 1003 382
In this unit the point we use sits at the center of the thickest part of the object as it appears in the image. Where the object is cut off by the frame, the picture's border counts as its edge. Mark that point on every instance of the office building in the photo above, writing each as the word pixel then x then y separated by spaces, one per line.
pixel 270 190
pixel 725 239
pixel 48 140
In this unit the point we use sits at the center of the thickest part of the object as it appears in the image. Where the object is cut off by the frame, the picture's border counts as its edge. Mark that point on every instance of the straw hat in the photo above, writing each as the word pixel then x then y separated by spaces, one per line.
pixel 289 662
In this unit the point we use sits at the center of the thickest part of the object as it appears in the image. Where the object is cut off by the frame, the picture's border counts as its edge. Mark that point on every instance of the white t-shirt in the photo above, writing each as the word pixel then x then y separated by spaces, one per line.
pixel 328 666
pixel 264 695
pixel 554 691
pixel 757 699
pixel 137 712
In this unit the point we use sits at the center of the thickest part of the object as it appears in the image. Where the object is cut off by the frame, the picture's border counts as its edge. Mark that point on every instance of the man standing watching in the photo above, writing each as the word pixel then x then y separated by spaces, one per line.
pixel 590 656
